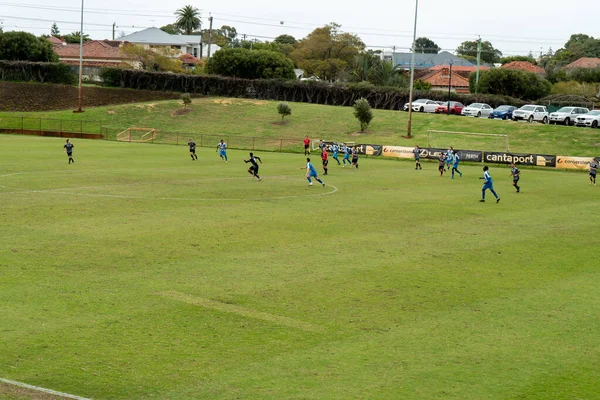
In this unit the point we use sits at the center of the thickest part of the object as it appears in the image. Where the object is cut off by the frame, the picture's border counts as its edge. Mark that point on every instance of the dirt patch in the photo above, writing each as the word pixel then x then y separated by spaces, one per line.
pixel 359 133
pixel 280 123
pixel 48 97
pixel 223 102
pixel 111 112
pixel 19 393
pixel 181 111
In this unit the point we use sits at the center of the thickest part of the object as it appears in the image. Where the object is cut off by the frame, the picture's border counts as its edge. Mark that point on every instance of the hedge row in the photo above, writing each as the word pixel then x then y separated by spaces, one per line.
pixel 295 91
pixel 26 71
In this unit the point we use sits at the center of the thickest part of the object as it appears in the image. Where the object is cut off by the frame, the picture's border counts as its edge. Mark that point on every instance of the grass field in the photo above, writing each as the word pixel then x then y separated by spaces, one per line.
pixel 137 274
pixel 234 118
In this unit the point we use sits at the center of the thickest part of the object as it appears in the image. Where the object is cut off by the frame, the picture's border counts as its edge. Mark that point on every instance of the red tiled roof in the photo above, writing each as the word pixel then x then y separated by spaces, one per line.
pixel 54 40
pixel 460 68
pixel 585 62
pixel 442 78
pixel 524 66
pixel 91 49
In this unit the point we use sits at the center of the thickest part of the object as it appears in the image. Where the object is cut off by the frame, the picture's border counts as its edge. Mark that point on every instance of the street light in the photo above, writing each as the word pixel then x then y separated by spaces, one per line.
pixel 412 73
pixel 80 96
pixel 449 87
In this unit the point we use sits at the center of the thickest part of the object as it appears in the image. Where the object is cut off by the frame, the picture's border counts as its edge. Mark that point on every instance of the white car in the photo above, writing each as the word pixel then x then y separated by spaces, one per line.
pixel 531 113
pixel 477 110
pixel 423 105
pixel 591 119
pixel 567 115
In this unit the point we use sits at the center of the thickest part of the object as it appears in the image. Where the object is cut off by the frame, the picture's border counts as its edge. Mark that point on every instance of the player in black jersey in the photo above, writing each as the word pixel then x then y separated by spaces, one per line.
pixel 516 175
pixel 192 150
pixel 593 172
pixel 253 170
pixel 69 150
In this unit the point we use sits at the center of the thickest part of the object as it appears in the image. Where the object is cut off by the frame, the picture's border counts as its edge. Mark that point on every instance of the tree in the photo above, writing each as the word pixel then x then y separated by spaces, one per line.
pixel 489 54
pixel 420 84
pixel 75 37
pixel 160 59
pixel 363 67
pixel 506 60
pixel 386 74
pixel 54 31
pixel 188 19
pixel 171 29
pixel 426 45
pixel 284 110
pixel 578 46
pixel 186 99
pixel 326 52
pixel 285 39
pixel 23 46
pixel 362 112
pixel 248 64
pixel 508 82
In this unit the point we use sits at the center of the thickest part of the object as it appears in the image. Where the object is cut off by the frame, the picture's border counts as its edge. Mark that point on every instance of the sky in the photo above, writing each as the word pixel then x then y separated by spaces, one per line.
pixel 515 27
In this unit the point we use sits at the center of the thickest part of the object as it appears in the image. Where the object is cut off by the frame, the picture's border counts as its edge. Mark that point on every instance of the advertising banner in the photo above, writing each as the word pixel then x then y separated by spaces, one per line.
pixel 399 152
pixel 470 156
pixel 432 153
pixel 544 160
pixel 565 162
pixel 508 158
pixel 369 149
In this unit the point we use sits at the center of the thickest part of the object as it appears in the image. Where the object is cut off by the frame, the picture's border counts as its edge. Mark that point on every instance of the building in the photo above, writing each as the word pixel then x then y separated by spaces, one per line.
pixel 182 44
pixel 439 79
pixel 424 60
pixel 585 62
pixel 525 67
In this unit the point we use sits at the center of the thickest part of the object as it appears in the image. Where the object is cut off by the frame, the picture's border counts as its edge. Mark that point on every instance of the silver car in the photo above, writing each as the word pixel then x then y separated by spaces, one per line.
pixel 477 110
pixel 591 119
pixel 567 115
pixel 530 113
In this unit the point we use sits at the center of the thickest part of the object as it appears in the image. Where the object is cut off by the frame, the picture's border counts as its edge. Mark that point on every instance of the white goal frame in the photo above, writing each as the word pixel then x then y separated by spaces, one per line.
pixel 430 131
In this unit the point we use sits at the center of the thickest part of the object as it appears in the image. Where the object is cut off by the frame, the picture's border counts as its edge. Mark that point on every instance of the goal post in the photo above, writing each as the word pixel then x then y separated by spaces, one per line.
pixel 468 140
pixel 140 135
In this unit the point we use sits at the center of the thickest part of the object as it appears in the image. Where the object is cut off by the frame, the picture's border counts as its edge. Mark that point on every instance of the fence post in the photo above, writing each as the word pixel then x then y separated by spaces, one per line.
pixel 201 138
pixel 81 126
pixel 22 125
pixel 280 145
pixel 40 126
pixel 177 139
pixel 61 126
pixel 253 143
pixel 101 127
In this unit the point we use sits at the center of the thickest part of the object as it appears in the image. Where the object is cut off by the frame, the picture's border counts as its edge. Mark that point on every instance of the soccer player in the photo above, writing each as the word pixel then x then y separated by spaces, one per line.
pixel 68 148
pixel 222 148
pixel 306 146
pixel 449 157
pixel 487 184
pixel 417 153
pixel 355 158
pixel 516 175
pixel 311 172
pixel 455 161
pixel 324 156
pixel 253 170
pixel 347 152
pixel 322 145
pixel 441 164
pixel 192 146
pixel 335 149
pixel 593 172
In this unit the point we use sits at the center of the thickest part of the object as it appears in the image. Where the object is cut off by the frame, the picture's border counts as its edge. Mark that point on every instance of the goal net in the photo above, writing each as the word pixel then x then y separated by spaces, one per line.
pixel 137 135
pixel 467 140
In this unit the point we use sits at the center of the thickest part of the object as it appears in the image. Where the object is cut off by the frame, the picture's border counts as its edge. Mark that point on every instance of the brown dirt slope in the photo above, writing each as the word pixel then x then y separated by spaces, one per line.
pixel 47 97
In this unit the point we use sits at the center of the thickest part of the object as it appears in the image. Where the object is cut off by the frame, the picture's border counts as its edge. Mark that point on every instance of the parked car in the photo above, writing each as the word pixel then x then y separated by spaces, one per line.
pixel 455 107
pixel 477 110
pixel 422 105
pixel 503 112
pixel 591 119
pixel 567 115
pixel 531 113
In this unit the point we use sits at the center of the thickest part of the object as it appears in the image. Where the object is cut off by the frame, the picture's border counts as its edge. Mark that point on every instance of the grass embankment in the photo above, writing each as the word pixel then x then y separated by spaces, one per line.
pixel 234 118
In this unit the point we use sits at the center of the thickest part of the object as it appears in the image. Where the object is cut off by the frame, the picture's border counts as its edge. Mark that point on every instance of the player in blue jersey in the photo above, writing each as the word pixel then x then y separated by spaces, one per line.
pixel 455 161
pixel 347 153
pixel 488 184
pixel 335 149
pixel 311 172
pixel 516 175
pixel 449 157
pixel 222 148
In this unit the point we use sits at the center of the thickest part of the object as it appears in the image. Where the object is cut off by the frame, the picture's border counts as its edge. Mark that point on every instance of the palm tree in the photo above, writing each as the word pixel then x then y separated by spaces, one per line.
pixel 386 74
pixel 188 19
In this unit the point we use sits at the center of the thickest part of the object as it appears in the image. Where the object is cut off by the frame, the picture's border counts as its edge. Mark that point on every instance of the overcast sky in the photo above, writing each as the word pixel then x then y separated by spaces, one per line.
pixel 513 26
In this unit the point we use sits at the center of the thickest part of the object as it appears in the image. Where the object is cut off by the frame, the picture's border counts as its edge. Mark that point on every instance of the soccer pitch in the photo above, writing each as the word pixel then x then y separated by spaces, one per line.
pixel 136 273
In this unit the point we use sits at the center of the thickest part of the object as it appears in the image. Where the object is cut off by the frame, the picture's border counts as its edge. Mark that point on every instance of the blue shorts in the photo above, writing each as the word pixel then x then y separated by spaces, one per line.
pixel 347 157
pixel 222 152
pixel 335 154
pixel 312 174
pixel 488 186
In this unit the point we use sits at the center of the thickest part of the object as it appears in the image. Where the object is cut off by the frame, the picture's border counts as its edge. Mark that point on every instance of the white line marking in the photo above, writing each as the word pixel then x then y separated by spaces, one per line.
pixel 41 389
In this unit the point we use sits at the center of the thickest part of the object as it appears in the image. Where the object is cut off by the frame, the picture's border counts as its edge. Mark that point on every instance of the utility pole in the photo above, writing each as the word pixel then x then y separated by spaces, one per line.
pixel 210 19
pixel 449 88
pixel 412 74
pixel 113 31
pixel 80 95
pixel 478 63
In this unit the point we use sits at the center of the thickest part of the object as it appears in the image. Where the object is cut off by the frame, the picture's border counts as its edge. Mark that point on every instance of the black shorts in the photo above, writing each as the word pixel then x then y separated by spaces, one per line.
pixel 516 179
pixel 593 174
pixel 70 154
pixel 441 167
pixel 306 146
pixel 354 160
pixel 254 169
pixel 193 151
pixel 325 162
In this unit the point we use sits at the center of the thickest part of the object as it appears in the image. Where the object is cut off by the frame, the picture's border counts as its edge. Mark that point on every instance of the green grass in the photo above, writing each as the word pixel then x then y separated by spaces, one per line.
pixel 232 119
pixel 136 274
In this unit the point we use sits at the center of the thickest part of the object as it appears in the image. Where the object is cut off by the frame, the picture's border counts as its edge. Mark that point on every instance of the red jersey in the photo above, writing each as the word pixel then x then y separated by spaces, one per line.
pixel 324 155
pixel 306 141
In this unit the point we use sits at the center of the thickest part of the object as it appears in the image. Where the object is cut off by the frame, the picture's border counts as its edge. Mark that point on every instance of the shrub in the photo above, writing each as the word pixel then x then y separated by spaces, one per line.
pixel 250 64
pixel 110 77
pixel 26 71
pixel 186 99
pixel 284 110
pixel 362 112
pixel 508 82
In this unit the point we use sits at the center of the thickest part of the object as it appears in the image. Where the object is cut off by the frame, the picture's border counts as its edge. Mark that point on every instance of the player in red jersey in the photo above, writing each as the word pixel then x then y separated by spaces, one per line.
pixel 324 158
pixel 306 146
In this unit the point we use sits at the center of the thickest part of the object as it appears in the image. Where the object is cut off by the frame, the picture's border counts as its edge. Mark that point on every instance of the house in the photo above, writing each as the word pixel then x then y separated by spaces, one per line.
pixel 439 79
pixel 182 44
pixel 525 67
pixel 463 70
pixel 55 41
pixel 584 62
pixel 423 60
